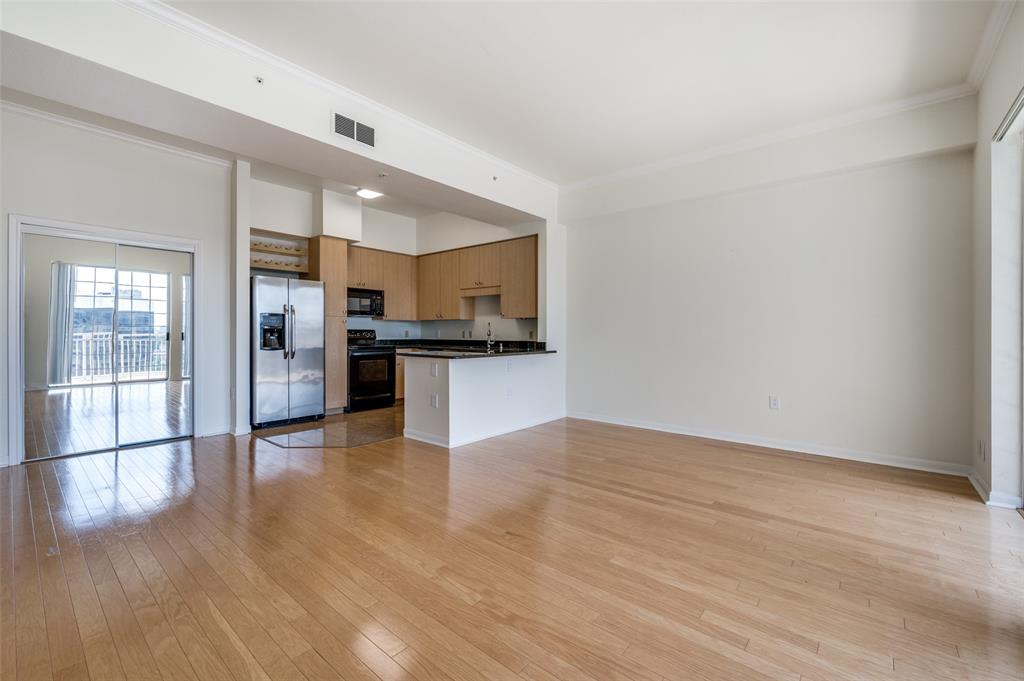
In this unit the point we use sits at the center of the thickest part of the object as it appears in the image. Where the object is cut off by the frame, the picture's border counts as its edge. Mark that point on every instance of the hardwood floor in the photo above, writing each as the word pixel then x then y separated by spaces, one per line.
pixel 574 551
pixel 340 430
pixel 81 418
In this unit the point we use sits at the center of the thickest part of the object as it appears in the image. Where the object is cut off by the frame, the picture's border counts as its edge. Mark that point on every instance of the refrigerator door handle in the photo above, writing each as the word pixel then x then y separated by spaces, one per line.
pixel 284 308
pixel 292 341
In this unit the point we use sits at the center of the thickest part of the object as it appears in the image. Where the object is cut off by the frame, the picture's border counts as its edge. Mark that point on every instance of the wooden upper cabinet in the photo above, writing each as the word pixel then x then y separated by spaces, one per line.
pixel 400 286
pixel 366 268
pixel 428 288
pixel 519 277
pixel 439 294
pixel 480 266
pixel 452 304
pixel 328 262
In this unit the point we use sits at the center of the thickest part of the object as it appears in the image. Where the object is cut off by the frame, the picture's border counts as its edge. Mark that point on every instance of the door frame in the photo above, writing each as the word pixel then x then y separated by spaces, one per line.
pixel 20 225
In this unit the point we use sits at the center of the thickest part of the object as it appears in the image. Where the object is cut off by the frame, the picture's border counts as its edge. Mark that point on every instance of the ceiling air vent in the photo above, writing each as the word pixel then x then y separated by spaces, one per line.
pixel 364 134
pixel 346 127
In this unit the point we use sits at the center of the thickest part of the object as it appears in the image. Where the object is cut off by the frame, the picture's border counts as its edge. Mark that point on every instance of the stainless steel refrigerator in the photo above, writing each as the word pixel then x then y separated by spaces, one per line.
pixel 287 349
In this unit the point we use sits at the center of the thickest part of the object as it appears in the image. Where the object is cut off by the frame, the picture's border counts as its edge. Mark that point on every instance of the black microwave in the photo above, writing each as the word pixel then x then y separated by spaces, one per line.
pixel 365 302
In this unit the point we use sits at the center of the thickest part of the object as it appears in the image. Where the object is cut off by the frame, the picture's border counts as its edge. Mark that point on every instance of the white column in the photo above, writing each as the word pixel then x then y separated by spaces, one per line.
pixel 241 219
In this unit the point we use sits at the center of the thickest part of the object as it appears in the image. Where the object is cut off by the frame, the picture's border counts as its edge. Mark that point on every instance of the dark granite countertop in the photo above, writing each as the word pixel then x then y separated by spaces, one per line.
pixel 466 354
pixel 460 345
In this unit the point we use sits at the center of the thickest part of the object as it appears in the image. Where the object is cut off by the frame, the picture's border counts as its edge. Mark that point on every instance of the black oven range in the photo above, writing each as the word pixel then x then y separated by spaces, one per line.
pixel 371 371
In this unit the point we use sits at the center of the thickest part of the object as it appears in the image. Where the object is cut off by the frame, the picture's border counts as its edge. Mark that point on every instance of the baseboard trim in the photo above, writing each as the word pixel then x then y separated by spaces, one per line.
pixel 504 431
pixel 801 447
pixel 996 499
pixel 420 436
pixel 452 444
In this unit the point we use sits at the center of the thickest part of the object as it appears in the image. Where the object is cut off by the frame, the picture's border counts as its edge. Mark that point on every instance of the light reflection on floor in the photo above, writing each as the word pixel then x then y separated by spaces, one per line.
pixel 339 430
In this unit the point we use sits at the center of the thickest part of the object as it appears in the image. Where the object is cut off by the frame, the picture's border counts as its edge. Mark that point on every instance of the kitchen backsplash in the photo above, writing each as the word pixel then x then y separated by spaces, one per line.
pixel 487 310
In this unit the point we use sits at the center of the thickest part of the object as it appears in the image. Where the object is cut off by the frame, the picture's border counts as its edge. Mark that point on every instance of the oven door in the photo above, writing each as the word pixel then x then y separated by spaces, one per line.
pixel 371 378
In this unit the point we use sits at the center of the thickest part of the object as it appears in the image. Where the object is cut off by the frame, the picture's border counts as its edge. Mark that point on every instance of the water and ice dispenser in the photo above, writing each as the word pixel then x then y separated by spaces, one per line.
pixel 272 331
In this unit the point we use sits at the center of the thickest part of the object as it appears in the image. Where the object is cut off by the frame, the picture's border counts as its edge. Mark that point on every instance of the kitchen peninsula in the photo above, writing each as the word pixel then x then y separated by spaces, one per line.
pixel 454 397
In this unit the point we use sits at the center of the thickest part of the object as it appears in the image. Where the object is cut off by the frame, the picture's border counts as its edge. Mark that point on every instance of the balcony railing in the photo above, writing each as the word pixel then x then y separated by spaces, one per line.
pixel 139 356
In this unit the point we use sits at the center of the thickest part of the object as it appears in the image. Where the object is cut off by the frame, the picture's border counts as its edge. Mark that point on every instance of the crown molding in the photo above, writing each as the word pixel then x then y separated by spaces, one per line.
pixel 171 16
pixel 12 107
pixel 844 120
pixel 998 18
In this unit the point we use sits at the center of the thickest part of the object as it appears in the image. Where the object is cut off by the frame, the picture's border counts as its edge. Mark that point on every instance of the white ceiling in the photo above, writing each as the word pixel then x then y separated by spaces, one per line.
pixel 577 90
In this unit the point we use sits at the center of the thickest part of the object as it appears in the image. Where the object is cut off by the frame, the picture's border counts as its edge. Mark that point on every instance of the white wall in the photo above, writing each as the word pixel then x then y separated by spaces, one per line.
pixel 444 231
pixel 909 130
pixel 388 231
pixel 54 170
pixel 997 289
pixel 281 209
pixel 848 296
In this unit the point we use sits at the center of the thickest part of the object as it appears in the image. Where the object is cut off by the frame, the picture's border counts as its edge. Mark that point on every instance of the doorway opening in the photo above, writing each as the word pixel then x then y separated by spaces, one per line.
pixel 106 344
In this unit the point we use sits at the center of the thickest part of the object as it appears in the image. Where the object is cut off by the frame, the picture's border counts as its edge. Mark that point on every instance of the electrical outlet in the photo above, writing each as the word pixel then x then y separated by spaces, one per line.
pixel 773 402
pixel 437 334
pixel 508 393
pixel 470 333
pixel 433 369
pixel 434 400
pixel 463 333
pixel 407 333
pixel 531 335
pixel 981 449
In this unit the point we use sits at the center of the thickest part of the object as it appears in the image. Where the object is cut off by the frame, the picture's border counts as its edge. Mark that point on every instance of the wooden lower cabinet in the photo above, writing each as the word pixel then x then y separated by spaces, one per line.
pixel 335 363
pixel 328 262
pixel 399 378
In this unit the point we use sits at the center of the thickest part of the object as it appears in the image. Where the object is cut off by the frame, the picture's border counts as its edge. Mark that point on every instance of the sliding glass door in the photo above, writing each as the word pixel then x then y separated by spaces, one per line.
pixel 68 304
pixel 154 393
pixel 106 362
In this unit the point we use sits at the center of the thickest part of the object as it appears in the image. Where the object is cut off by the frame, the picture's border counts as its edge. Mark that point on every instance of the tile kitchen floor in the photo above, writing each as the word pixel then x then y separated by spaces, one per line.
pixel 339 430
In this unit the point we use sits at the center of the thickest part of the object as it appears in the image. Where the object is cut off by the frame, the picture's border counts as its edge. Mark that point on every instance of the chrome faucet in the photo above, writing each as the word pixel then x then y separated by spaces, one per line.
pixel 490 341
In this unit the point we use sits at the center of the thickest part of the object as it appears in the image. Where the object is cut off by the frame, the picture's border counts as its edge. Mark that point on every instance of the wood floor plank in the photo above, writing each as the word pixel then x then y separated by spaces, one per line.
pixel 67 657
pixel 573 551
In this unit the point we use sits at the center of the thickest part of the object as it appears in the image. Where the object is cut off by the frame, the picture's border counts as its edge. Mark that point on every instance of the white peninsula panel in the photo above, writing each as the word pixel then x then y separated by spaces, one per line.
pixel 453 401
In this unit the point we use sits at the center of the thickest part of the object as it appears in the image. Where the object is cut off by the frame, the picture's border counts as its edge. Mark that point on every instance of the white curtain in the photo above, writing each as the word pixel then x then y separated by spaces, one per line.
pixel 62 318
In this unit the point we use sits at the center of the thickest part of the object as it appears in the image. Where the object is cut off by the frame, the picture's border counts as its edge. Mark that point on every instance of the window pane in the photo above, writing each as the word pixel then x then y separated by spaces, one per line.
pixel 158 293
pixel 160 322
pixel 83 273
pixel 105 274
pixel 84 288
pixel 140 278
pixel 105 290
pixel 124 278
pixel 83 302
pixel 158 280
pixel 159 306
